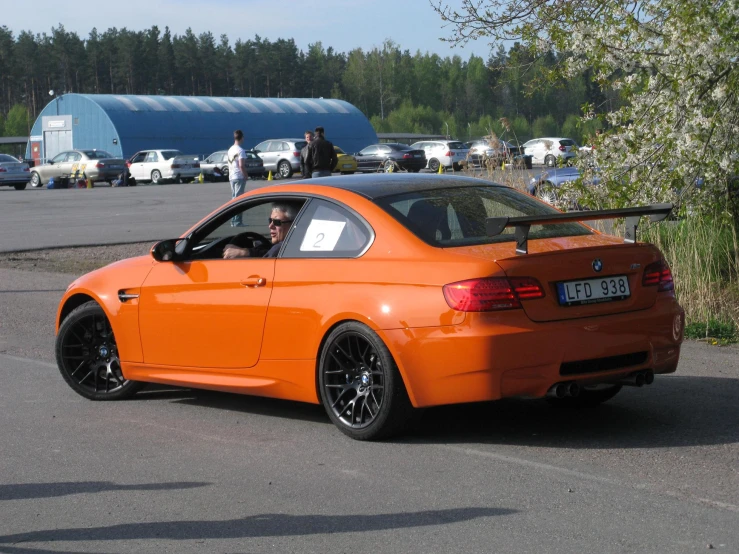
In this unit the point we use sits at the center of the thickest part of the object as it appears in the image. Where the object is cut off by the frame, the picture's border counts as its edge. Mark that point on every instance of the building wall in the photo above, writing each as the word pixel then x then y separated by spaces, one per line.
pixel 125 124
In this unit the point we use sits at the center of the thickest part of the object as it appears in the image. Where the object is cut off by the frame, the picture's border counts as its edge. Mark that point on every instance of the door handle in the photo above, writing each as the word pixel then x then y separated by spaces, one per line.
pixel 254 281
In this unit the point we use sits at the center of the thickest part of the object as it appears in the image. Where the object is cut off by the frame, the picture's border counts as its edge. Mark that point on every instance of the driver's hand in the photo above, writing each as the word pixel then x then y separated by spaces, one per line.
pixel 232 251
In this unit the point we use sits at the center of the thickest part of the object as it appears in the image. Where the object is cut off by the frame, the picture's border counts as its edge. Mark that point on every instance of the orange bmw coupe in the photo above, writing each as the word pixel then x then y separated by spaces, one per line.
pixel 378 295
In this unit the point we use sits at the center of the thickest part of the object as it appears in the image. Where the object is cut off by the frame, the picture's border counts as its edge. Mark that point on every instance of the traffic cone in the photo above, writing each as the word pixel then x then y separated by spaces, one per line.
pixel 269 176
pixel 88 182
pixel 201 179
pixel 441 169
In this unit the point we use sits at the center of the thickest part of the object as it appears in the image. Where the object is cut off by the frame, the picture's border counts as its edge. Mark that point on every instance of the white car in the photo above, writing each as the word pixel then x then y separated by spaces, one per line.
pixel 158 166
pixel 549 150
pixel 447 153
pixel 13 172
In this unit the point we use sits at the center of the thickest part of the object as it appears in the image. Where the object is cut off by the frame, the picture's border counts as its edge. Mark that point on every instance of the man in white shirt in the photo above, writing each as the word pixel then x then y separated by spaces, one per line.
pixel 237 173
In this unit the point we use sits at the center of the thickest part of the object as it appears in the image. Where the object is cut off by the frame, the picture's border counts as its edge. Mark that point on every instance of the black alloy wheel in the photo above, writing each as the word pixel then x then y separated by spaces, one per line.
pixel 360 385
pixel 35 180
pixel 285 169
pixel 87 356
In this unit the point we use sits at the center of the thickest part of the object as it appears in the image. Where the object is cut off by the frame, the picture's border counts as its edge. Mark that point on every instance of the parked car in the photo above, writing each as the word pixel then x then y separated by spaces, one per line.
pixel 545 184
pixel 550 150
pixel 215 166
pixel 13 172
pixel 281 156
pixel 390 156
pixel 494 152
pixel 347 163
pixel 347 317
pixel 97 165
pixel 158 166
pixel 446 153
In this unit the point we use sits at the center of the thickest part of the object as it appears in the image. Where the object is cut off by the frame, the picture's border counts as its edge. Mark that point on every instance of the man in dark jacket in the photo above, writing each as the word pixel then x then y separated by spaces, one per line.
pixel 321 155
pixel 304 170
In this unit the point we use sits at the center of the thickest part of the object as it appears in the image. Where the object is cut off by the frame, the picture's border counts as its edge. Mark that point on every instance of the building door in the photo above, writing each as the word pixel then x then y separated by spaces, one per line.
pixel 56 141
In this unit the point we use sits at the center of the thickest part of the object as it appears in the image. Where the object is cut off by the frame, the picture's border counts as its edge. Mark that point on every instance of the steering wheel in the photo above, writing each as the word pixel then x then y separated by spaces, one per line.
pixel 252 238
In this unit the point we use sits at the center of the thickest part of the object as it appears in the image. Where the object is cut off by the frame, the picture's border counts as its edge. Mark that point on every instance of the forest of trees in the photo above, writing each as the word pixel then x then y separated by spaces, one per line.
pixel 398 90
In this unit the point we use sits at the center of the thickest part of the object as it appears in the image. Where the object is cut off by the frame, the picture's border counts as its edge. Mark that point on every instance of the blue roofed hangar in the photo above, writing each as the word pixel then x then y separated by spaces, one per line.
pixel 125 124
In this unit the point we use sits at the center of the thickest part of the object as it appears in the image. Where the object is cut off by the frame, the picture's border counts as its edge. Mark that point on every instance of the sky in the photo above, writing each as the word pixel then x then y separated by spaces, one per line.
pixel 342 24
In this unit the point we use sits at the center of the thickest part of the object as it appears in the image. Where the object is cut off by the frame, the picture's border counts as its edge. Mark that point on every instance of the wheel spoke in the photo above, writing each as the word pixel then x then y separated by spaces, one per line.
pixel 78 368
pixel 342 365
pixel 341 395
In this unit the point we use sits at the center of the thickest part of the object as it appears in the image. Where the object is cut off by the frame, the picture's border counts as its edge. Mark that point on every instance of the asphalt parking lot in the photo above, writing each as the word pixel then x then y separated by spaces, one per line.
pixel 174 470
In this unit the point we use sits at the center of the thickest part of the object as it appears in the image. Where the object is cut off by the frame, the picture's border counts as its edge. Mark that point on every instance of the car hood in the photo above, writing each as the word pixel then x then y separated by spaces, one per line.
pixel 127 273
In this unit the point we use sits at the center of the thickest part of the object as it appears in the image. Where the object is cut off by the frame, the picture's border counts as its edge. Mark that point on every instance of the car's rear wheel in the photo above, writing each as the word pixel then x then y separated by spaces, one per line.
pixel 434 165
pixel 587 398
pixel 35 180
pixel 360 385
pixel 285 169
pixel 547 192
pixel 156 177
pixel 87 355
pixel 389 166
pixel 550 161
pixel 20 186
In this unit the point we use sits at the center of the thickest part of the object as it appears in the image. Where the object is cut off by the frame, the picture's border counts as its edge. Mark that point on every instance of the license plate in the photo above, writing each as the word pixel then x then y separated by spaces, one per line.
pixel 593 291
pixel 346 166
pixel 115 167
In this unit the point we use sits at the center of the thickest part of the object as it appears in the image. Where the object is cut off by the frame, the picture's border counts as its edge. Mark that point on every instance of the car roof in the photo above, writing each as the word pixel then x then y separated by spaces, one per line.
pixel 374 186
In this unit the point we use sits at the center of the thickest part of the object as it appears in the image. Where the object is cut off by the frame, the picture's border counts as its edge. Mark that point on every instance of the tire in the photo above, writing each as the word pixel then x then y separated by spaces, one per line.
pixel 347 173
pixel 588 398
pixel 357 372
pixel 224 173
pixel 87 356
pixel 547 192
pixel 388 166
pixel 285 169
pixel 434 165
pixel 550 161
pixel 20 186
pixel 35 180
pixel 456 166
pixel 156 177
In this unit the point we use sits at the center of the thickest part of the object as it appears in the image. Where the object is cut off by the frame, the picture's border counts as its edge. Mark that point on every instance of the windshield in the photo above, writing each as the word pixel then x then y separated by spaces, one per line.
pixel 168 154
pixel 447 217
pixel 97 154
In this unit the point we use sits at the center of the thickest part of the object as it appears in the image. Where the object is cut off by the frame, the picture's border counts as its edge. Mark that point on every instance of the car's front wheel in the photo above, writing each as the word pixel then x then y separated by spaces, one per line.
pixel 550 161
pixel 87 355
pixel 35 180
pixel 360 385
pixel 285 169
pixel 547 192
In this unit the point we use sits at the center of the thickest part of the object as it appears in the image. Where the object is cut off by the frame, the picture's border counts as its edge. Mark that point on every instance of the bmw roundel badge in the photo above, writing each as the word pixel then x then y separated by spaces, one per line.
pixel 597 265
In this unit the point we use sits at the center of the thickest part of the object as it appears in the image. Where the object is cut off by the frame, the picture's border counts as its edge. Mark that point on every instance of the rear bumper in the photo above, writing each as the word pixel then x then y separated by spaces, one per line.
pixel 15 180
pixel 493 356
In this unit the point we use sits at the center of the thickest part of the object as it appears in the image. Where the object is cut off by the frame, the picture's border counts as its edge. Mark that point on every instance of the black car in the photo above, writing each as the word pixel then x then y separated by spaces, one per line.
pixel 390 157
pixel 215 166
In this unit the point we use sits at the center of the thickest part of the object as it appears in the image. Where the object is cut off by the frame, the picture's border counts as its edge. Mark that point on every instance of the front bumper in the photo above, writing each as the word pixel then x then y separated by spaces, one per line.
pixel 498 355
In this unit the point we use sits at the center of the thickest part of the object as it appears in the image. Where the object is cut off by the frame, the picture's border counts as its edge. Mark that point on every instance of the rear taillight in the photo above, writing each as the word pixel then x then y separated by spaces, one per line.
pixel 176 166
pixel 449 153
pixel 3 170
pixel 26 169
pixel 406 156
pixel 658 274
pixel 562 148
pixel 100 165
pixel 296 154
pixel 491 294
pixel 128 163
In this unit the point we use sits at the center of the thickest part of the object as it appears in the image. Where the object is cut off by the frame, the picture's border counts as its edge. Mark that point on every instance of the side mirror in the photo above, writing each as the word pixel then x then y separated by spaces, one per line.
pixel 164 250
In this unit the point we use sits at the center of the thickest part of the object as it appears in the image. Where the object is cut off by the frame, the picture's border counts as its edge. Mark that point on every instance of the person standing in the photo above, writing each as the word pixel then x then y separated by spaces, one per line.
pixel 321 155
pixel 304 171
pixel 237 172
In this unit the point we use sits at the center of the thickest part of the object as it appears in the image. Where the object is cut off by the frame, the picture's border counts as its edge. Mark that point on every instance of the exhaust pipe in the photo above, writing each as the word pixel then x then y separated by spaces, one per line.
pixel 638 379
pixel 561 390
pixel 573 389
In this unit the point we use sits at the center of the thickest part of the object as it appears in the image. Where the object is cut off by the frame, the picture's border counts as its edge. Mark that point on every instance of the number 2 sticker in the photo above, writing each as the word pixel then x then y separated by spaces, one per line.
pixel 322 235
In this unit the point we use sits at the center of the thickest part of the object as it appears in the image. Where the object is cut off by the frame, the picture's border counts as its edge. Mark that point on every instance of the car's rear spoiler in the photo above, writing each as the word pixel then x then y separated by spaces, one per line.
pixel 495 225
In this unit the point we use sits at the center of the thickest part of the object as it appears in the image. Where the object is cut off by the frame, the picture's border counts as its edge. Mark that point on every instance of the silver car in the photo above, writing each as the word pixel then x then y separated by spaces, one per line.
pixel 158 166
pixel 447 153
pixel 97 165
pixel 281 156
pixel 13 172
pixel 215 166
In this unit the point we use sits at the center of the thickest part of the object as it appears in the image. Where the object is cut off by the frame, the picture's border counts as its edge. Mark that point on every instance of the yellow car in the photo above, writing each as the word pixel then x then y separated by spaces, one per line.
pixel 347 163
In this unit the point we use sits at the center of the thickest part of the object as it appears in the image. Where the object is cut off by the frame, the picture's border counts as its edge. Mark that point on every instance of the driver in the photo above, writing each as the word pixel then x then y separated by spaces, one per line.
pixel 282 216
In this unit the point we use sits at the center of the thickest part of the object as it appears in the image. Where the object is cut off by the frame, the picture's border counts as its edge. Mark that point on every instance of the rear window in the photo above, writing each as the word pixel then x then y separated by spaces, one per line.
pixel 6 158
pixel 448 217
pixel 567 142
pixel 168 154
pixel 456 145
pixel 300 145
pixel 97 154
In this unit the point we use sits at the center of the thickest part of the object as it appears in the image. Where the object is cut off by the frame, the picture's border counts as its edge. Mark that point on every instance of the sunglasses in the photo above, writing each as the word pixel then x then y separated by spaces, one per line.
pixel 278 222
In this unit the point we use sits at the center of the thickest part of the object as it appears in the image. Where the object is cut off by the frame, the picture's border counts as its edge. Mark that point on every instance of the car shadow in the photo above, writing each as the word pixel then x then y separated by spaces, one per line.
pixel 25 491
pixel 676 411
pixel 261 525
